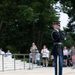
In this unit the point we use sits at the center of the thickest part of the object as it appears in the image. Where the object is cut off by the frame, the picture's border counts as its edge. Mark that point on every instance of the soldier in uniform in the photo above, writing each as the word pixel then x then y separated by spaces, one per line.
pixel 57 50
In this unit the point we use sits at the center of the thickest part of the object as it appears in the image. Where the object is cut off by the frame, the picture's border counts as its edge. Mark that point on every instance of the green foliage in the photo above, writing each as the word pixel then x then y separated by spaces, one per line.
pixel 69 42
pixel 13 50
pixel 68 6
pixel 25 21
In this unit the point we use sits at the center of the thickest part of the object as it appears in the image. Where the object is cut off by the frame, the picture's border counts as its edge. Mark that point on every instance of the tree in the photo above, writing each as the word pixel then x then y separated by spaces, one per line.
pixel 25 21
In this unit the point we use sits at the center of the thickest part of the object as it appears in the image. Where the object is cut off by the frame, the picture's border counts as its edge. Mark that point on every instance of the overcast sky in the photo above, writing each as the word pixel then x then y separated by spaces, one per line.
pixel 63 16
pixel 64 20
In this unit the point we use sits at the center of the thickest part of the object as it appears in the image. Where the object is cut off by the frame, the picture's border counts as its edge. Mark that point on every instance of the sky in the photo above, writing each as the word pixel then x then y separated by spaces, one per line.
pixel 63 16
pixel 63 20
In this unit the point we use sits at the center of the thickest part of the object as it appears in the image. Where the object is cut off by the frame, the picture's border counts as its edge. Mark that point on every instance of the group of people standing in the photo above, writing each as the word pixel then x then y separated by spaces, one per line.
pixel 69 55
pixel 8 54
pixel 35 55
pixel 57 52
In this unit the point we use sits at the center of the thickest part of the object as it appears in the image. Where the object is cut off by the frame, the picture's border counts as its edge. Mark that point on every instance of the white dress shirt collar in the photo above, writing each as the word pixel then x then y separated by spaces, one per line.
pixel 57 30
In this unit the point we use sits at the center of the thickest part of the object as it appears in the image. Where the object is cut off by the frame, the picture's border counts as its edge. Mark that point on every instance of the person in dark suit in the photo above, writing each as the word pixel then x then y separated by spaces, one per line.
pixel 57 50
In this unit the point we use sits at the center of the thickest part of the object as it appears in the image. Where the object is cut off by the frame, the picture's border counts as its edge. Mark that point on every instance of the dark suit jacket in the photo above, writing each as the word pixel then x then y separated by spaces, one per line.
pixel 56 38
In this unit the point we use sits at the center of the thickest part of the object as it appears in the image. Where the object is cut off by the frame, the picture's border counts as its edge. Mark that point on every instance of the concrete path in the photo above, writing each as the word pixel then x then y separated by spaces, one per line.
pixel 39 71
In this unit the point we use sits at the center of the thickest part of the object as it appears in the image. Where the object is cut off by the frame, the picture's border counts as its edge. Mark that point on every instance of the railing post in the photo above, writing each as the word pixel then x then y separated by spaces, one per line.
pixel 33 60
pixel 29 63
pixel 14 63
pixel 2 63
pixel 30 66
pixel 24 61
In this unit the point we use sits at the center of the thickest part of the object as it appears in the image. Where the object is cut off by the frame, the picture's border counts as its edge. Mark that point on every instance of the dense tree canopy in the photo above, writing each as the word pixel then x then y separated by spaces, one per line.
pixel 25 21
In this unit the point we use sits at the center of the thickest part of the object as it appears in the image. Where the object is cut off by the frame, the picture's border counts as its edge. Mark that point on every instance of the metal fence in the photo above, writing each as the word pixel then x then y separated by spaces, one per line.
pixel 23 58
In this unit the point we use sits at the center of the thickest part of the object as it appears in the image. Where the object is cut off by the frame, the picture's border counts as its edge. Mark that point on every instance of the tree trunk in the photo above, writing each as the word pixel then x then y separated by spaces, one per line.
pixel 40 39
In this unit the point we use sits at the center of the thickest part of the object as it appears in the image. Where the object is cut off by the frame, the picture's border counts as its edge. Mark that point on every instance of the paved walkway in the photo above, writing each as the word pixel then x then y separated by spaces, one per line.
pixel 39 71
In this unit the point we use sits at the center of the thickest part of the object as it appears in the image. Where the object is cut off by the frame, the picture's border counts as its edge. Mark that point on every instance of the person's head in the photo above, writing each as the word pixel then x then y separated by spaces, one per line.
pixel 44 47
pixel 56 25
pixel 8 51
pixel 72 47
pixel 0 49
pixel 33 44
pixel 65 48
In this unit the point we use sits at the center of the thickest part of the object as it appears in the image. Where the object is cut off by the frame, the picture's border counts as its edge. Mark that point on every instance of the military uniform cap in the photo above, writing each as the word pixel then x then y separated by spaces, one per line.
pixel 56 23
